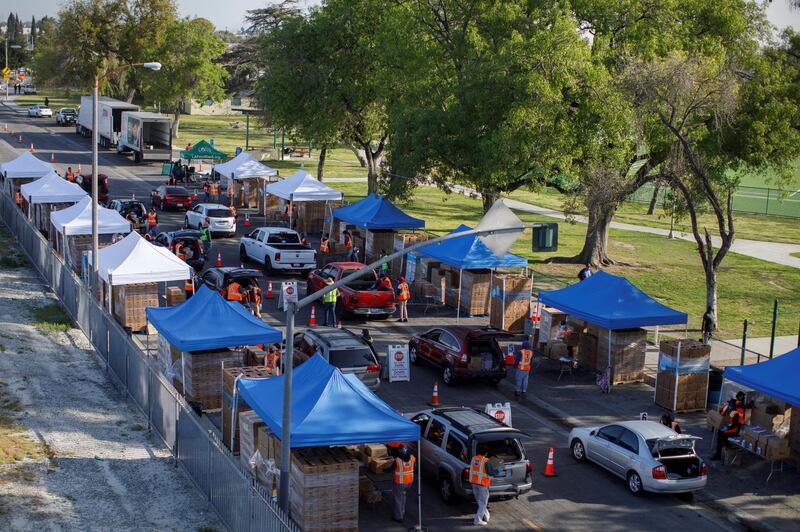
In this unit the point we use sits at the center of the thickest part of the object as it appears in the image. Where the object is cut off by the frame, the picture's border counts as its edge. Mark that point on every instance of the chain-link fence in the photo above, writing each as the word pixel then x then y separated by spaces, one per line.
pixel 240 501
pixel 746 200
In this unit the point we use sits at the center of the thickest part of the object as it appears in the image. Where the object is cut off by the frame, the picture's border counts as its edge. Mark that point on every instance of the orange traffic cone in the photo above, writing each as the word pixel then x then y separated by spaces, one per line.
pixel 339 324
pixel 435 396
pixel 20 139
pixel 52 157
pixel 241 265
pixel 269 290
pixel 201 166
pixel 550 468
pixel 312 321
pixel 30 149
pixel 247 220
pixel 79 168
pixel 219 260
pixel 194 198
pixel 5 127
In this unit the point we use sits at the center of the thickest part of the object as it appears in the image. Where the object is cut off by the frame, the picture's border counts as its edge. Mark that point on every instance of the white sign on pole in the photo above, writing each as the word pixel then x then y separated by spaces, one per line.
pixel 411 267
pixel 399 367
pixel 501 412
pixel 289 293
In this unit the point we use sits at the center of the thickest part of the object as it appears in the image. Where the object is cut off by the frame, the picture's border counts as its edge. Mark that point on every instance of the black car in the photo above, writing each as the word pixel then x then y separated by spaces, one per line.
pixel 189 239
pixel 219 279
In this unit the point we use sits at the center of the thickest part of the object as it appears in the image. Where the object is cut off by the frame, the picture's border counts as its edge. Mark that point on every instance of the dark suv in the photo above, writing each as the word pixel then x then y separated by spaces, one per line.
pixel 461 352
pixel 452 436
pixel 343 349
pixel 187 238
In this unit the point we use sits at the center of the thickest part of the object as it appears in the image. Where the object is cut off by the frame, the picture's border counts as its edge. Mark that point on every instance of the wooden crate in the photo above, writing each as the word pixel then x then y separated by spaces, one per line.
pixel 203 375
pixel 228 378
pixel 682 383
pixel 510 302
pixel 628 349
pixel 323 492
pixel 130 301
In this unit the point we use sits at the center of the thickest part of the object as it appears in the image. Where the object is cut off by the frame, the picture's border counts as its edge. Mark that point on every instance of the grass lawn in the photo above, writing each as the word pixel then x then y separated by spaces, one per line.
pixel 58 98
pixel 668 270
pixel 748 226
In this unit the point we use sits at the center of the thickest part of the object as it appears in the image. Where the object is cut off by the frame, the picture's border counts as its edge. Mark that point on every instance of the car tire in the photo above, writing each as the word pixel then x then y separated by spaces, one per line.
pixel 448 375
pixel 243 254
pixel 635 483
pixel 578 450
pixel 413 356
pixel 446 488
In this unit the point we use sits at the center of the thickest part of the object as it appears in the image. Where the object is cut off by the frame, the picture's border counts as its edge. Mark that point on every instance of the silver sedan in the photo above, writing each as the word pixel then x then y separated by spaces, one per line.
pixel 648 455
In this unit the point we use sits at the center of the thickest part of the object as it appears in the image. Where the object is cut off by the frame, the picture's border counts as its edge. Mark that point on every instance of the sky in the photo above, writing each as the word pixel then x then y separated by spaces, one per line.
pixel 229 14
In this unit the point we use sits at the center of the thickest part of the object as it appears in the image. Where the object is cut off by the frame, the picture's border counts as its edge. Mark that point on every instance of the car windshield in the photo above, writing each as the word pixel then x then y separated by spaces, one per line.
pixel 506 449
pixel 68 111
pixel 177 190
pixel 283 238
pixel 351 358
pixel 219 213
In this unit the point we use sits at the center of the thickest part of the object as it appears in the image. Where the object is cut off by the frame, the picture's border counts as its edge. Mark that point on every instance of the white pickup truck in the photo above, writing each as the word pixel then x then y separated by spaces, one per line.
pixel 277 248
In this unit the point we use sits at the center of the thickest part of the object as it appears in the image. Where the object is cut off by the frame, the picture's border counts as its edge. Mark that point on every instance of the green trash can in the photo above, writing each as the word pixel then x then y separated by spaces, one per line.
pixel 545 237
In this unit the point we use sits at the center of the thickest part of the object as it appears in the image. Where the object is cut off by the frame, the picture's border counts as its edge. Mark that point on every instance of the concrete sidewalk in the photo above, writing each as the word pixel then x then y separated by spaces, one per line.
pixel 740 491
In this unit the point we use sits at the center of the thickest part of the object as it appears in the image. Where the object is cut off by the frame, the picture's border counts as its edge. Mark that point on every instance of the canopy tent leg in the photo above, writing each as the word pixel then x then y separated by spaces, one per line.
pixel 491 279
pixel 419 484
pixel 608 370
pixel 458 304
pixel 235 401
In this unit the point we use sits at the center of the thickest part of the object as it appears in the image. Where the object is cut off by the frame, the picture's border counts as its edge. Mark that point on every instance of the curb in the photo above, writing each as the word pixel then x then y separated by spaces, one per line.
pixel 708 499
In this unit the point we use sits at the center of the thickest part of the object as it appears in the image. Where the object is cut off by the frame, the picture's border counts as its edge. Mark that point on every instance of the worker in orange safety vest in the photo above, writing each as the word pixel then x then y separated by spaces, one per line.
pixel 255 300
pixel 481 481
pixel 348 241
pixel 69 175
pixel 403 295
pixel 522 364
pixel 18 198
pixel 403 466
pixel 234 292
pixel 325 244
pixel 733 412
pixel 152 222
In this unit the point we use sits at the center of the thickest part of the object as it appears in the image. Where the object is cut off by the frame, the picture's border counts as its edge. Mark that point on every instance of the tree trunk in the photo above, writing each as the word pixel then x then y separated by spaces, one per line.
pixel 372 172
pixel 323 152
pixel 595 246
pixel 362 160
pixel 131 94
pixel 176 124
pixel 488 200
pixel 711 296
pixel 653 200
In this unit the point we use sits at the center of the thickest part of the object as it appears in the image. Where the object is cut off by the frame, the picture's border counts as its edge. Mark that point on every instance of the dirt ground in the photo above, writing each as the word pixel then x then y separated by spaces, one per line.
pixel 92 465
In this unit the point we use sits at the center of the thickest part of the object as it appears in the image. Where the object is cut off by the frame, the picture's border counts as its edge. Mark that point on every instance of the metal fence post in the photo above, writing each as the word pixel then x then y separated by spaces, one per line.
pixel 766 207
pixel 774 325
pixel 744 342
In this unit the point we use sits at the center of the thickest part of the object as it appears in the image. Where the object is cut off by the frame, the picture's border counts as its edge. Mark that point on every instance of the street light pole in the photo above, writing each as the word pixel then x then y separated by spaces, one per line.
pixel 292 308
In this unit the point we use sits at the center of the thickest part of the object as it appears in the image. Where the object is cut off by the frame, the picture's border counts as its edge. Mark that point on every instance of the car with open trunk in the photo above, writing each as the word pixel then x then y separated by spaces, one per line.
pixel 365 296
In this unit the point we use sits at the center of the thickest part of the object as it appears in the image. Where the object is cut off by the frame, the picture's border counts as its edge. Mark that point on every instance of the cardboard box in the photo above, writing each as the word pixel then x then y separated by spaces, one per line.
pixel 375 450
pixel 777 449
pixel 377 466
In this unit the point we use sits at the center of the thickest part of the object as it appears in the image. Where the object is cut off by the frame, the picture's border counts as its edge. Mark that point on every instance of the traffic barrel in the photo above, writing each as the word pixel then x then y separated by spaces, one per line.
pixel 435 396
pixel 550 468
pixel 247 220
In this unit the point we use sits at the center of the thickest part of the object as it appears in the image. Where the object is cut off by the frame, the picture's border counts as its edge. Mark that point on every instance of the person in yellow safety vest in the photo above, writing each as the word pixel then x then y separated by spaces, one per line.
pixel 522 363
pixel 403 466
pixel 480 480
pixel 329 304
pixel 403 295
pixel 233 292
pixel 325 244
pixel 18 198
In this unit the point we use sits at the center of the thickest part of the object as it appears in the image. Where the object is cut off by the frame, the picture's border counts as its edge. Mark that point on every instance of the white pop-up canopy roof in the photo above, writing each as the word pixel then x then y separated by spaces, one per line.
pixel 52 188
pixel 26 165
pixel 243 166
pixel 77 220
pixel 302 186
pixel 135 260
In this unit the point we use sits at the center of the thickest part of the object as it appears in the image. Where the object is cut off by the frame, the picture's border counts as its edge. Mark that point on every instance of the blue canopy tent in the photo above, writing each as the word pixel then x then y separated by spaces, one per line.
pixel 328 408
pixel 613 303
pixel 469 253
pixel 377 213
pixel 776 378
pixel 207 321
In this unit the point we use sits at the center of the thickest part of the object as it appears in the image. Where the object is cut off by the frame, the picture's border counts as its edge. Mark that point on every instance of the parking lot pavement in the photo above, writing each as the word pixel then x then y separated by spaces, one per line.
pixel 581 497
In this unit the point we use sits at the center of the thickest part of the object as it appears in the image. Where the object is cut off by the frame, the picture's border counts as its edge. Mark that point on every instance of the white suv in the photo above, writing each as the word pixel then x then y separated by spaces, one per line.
pixel 220 218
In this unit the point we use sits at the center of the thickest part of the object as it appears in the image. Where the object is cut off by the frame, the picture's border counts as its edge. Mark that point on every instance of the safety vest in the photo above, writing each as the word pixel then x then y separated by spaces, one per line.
pixel 205 187
pixel 387 283
pixel 525 360
pixel 70 176
pixel 188 287
pixel 331 296
pixel 477 471
pixel 257 295
pixel 348 242
pixel 214 189
pixel 18 198
pixel 404 295
pixel 324 247
pixel 735 420
pixel 233 211
pixel 404 471
pixel 152 219
pixel 205 234
pixel 179 251
pixel 233 292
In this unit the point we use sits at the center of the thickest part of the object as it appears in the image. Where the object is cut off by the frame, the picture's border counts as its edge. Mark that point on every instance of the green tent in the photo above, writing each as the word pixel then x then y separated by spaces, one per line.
pixel 202 150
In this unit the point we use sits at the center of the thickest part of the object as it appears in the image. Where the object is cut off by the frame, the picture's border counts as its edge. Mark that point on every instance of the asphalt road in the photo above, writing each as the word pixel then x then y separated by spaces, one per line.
pixel 580 497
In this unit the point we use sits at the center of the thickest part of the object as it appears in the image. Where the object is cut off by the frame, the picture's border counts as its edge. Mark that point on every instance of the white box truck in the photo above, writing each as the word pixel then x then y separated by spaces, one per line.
pixel 147 135
pixel 109 119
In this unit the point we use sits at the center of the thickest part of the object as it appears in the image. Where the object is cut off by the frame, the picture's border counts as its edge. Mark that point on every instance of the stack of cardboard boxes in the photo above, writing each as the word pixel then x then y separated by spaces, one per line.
pixel 628 348
pixel 249 423
pixel 682 378
pixel 202 372
pixel 510 302
pixel 377 242
pixel 402 241
pixel 175 296
pixel 474 295
pixel 228 380
pixel 130 302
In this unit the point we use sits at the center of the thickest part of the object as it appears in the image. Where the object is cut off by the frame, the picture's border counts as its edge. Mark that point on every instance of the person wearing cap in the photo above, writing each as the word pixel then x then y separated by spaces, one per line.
pixel 522 365
pixel 733 413
pixel 403 467
pixel 329 304
pixel 403 295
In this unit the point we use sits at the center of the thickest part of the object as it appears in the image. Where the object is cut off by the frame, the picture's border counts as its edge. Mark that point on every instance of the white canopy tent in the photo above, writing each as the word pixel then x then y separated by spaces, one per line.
pixel 135 260
pixel 243 166
pixel 52 188
pixel 77 220
pixel 302 186
pixel 26 167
